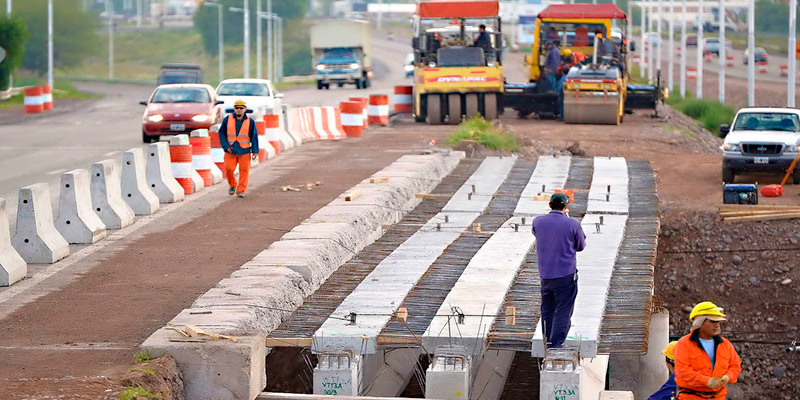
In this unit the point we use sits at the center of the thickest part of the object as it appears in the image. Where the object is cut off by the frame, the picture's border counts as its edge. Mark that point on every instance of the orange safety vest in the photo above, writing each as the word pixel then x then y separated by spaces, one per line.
pixel 693 368
pixel 233 137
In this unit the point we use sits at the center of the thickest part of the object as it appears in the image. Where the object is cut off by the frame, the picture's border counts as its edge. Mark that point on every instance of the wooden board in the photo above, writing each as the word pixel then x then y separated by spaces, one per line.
pixel 289 342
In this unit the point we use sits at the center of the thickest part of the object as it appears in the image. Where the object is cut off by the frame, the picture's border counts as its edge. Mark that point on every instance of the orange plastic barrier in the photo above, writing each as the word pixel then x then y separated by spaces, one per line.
pixel 352 118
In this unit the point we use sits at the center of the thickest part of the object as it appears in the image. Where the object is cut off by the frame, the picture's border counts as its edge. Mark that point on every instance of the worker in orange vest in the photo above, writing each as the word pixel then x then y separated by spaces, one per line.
pixel 239 140
pixel 705 362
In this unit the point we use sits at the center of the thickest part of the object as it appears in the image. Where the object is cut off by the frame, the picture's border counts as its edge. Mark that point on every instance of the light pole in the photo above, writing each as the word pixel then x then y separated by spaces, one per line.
pixel 139 13
pixel 50 43
pixel 751 57
pixel 280 50
pixel 792 49
pixel 671 62
pixel 722 51
pixel 684 48
pixel 643 59
pixel 271 39
pixel 651 46
pixel 110 16
pixel 659 21
pixel 258 40
pixel 274 58
pixel 220 30
pixel 700 23
pixel 246 13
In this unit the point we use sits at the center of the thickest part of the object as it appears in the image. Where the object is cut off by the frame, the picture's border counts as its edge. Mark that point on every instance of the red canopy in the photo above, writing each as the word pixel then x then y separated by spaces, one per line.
pixel 458 9
pixel 582 11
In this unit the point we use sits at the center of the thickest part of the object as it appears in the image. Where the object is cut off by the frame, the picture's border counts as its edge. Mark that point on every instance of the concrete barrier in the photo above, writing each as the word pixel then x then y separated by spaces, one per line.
pixel 36 238
pixel 76 220
pixel 216 174
pixel 159 174
pixel 107 195
pixel 12 266
pixel 140 198
pixel 289 134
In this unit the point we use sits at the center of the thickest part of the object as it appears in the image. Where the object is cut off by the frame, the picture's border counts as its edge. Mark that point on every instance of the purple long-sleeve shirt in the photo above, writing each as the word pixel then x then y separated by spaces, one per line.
pixel 558 239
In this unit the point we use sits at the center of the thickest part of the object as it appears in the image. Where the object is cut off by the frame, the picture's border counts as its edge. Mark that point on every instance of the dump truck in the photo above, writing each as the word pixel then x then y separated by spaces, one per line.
pixel 597 89
pixel 340 50
pixel 456 75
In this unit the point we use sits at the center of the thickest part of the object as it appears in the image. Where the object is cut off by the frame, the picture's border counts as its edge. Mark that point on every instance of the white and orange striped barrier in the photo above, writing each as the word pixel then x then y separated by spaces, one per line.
pixel 289 136
pixel 47 97
pixel 691 73
pixel 328 121
pixel 784 70
pixel 272 130
pixel 762 67
pixel 729 61
pixel 378 109
pixel 403 99
pixel 636 60
pixel 201 155
pixel 352 118
pixel 34 102
pixel 364 104
pixel 262 150
pixel 217 154
pixel 315 123
pixel 678 51
pixel 708 57
pixel 180 153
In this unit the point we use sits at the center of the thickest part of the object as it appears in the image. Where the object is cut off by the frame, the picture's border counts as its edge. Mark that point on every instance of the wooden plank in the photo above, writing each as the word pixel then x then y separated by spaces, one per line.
pixel 755 206
pixel 397 339
pixel 432 196
pixel 763 217
pixel 352 195
pixel 726 214
pixel 382 179
pixel 289 342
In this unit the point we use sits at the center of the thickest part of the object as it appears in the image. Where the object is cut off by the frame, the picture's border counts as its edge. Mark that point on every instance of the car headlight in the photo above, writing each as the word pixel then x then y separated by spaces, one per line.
pixel 791 149
pixel 354 66
pixel 731 147
pixel 156 118
pixel 201 118
pixel 432 64
pixel 320 67
pixel 490 64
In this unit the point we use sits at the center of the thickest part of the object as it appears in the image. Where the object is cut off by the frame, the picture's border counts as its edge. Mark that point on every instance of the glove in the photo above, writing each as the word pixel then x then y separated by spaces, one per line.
pixel 713 383
pixel 724 380
pixel 254 156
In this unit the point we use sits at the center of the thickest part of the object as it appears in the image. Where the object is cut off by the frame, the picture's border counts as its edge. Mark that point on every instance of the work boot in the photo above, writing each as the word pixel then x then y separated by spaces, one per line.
pixel 232 191
pixel 240 195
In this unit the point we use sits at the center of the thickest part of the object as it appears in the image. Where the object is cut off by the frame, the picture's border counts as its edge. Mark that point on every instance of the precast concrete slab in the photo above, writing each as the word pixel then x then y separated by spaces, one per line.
pixel 375 299
pixel 12 266
pixel 551 173
pixel 107 195
pixel 76 220
pixel 135 191
pixel 609 191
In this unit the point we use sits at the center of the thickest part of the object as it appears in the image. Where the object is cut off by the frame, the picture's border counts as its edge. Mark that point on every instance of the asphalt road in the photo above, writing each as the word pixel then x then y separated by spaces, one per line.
pixel 80 133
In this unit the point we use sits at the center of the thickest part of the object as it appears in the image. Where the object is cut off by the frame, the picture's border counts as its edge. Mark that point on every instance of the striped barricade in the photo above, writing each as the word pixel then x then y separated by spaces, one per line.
pixel 217 154
pixel 34 101
pixel 352 118
pixel 728 61
pixel 180 153
pixel 262 141
pixel 691 73
pixel 201 154
pixel 403 99
pixel 272 128
pixel 332 122
pixel 762 67
pixel 290 137
pixel 364 104
pixel 47 97
pixel 378 109
pixel 784 70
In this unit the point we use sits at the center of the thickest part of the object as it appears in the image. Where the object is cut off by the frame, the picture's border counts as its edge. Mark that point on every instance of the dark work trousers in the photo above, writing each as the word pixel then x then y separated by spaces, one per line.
pixel 558 301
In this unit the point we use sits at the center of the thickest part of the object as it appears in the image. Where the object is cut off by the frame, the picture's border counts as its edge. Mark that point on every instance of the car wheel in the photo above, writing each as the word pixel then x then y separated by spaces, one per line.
pixel 149 139
pixel 728 175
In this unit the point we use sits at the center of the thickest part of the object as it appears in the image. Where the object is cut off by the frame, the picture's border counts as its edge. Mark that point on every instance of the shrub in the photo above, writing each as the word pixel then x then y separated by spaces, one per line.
pixel 484 133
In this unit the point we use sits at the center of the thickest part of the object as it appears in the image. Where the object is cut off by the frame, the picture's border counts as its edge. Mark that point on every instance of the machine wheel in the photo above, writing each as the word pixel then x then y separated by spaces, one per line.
pixel 327 86
pixel 453 108
pixel 728 175
pixel 471 101
pixel 796 176
pixel 434 110
pixel 490 106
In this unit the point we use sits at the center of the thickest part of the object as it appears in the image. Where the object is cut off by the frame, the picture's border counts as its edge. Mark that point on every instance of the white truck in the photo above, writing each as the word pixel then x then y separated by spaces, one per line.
pixel 340 50
pixel 761 139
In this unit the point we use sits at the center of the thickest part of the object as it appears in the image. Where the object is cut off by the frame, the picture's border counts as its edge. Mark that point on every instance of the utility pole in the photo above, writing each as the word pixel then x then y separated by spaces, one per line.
pixel 751 57
pixel 280 50
pixel 722 51
pixel 700 23
pixel 110 16
pixel 792 49
pixel 651 73
pixel 683 48
pixel 246 12
pixel 258 40
pixel 628 37
pixel 8 8
pixel 643 61
pixel 50 43
pixel 659 21
pixel 139 13
pixel 271 42
pixel 380 14
pixel 671 61
pixel 221 42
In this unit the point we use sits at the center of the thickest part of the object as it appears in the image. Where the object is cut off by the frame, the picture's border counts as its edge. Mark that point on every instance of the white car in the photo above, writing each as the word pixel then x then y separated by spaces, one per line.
pixel 259 94
pixel 761 139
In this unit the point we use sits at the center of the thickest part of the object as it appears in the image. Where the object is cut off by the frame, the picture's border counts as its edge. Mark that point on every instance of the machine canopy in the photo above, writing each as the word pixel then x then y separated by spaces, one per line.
pixel 459 9
pixel 566 11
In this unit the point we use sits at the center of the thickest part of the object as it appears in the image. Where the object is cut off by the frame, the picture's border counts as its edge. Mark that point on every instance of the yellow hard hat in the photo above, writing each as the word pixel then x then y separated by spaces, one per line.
pixel 567 52
pixel 707 309
pixel 240 103
pixel 670 350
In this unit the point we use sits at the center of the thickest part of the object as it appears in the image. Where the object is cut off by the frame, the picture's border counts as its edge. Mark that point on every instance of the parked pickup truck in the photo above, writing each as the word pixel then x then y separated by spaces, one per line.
pixel 761 139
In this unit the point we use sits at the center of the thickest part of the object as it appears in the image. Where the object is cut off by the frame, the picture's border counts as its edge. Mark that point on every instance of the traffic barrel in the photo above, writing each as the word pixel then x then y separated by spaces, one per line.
pixel 180 154
pixel 784 70
pixel 272 134
pixel 636 60
pixel 262 152
pixel 762 67
pixel 47 97
pixel 364 102
pixel 402 99
pixel 708 57
pixel 201 154
pixel 378 109
pixel 729 61
pixel 691 73
pixel 678 51
pixel 217 154
pixel 352 118
pixel 33 100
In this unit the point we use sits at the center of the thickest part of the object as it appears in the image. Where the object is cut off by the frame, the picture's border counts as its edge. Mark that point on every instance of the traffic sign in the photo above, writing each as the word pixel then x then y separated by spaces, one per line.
pixel 2 54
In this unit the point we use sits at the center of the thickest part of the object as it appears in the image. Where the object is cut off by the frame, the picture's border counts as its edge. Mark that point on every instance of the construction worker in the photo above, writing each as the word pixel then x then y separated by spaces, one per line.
pixel 239 140
pixel 483 40
pixel 705 362
pixel 667 391
pixel 558 238
pixel 552 63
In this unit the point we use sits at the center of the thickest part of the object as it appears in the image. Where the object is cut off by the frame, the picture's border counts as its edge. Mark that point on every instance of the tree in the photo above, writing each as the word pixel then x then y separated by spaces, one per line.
pixel 74 33
pixel 13 35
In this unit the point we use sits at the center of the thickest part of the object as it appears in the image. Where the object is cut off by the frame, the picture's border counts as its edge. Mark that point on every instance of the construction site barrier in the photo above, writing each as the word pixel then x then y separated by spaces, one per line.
pixel 762 67
pixel 691 73
pixel 159 174
pixel 678 51
pixel 47 97
pixel 106 185
pixel 352 118
pixel 403 99
pixel 289 137
pixel 12 266
pixel 180 153
pixel 729 61
pixel 322 124
pixel 34 103
pixel 378 109
pixel 217 154
pixel 201 155
pixel 636 60
pixel 36 238
pixel 272 132
pixel 364 103
pixel 332 122
pixel 784 70
pixel 260 127
pixel 76 221
pixel 708 57
pixel 135 191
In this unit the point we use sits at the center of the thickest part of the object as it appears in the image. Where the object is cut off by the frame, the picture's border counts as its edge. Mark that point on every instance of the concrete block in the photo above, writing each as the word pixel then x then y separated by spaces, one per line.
pixel 448 376
pixel 216 174
pixel 107 195
pixel 197 181
pixel 615 395
pixel 36 238
pixel 292 131
pixel 141 199
pixel 283 134
pixel 76 220
pixel 159 174
pixel 338 375
pixel 214 370
pixel 12 266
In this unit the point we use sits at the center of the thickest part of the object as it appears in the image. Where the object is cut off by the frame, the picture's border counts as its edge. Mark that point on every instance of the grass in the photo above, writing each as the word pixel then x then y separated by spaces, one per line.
pixel 147 371
pixel 480 130
pixel 63 90
pixel 136 392
pixel 711 114
pixel 142 356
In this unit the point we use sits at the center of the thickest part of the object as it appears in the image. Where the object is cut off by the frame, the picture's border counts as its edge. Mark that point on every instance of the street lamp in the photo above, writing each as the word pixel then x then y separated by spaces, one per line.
pixel 246 12
pixel 221 49
pixel 275 35
pixel 110 17
pixel 50 43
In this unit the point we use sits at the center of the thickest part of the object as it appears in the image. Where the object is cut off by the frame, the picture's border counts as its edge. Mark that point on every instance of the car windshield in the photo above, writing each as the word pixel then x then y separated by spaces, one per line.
pixel 767 121
pixel 461 57
pixel 243 89
pixel 181 95
pixel 578 35
pixel 338 54
pixel 178 77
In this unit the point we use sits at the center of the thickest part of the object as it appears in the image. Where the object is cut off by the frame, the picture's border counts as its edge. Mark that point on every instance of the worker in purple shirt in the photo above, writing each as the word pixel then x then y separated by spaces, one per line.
pixel 558 239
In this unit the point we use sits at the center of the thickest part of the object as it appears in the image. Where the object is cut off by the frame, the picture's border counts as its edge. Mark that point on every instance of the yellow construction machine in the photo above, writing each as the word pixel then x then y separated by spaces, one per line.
pixel 596 88
pixel 458 69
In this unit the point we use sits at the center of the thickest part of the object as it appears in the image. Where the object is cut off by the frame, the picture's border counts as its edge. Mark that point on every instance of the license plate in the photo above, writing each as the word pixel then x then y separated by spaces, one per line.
pixel 761 160
pixel 177 127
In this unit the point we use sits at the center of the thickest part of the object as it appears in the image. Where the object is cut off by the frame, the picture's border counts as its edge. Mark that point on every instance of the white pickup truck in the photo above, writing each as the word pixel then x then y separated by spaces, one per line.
pixel 761 139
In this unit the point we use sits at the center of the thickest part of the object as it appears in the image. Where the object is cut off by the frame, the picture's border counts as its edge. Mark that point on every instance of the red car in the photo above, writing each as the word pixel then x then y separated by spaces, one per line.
pixel 179 108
